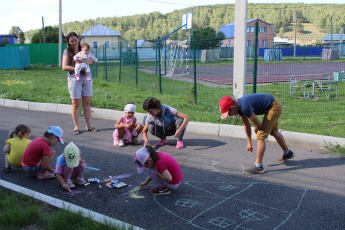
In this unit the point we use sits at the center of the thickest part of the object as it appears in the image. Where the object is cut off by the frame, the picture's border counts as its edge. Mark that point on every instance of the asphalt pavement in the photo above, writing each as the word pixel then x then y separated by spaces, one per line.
pixel 306 192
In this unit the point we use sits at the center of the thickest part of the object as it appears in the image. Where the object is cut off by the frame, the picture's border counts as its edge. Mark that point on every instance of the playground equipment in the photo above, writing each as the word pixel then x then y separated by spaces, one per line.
pixel 177 53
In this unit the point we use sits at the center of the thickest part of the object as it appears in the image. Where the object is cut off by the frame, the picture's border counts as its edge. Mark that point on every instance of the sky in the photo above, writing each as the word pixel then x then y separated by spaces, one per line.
pixel 27 14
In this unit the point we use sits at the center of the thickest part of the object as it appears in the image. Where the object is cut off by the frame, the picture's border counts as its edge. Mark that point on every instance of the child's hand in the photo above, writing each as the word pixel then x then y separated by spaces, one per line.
pixel 65 186
pixel 82 161
pixel 128 125
pixel 146 143
pixel 142 185
pixel 249 148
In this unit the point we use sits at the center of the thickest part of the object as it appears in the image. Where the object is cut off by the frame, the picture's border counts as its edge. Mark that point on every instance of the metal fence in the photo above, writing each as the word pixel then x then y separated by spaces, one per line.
pixel 306 79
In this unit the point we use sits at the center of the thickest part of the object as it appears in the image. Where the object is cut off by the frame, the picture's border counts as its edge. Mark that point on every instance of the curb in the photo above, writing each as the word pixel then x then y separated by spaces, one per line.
pixel 222 130
pixel 67 206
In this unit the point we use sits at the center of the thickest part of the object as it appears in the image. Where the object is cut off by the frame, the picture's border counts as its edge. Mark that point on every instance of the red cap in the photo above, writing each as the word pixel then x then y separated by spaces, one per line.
pixel 224 106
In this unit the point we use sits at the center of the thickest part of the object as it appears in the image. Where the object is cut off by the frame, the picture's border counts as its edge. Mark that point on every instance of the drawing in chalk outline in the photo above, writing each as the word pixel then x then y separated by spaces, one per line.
pixel 186 203
pixel 257 205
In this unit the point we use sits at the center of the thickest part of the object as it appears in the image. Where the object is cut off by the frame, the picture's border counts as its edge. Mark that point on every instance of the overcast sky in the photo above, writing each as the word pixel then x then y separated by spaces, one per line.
pixel 27 14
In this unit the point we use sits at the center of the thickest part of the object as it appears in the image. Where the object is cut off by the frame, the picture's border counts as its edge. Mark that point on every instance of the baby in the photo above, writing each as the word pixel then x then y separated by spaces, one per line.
pixel 85 54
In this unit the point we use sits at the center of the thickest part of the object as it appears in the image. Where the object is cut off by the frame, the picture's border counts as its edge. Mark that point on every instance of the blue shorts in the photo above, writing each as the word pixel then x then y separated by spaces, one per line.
pixel 33 169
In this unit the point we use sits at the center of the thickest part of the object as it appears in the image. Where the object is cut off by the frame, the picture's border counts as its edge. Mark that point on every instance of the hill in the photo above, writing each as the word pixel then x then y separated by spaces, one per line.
pixel 149 26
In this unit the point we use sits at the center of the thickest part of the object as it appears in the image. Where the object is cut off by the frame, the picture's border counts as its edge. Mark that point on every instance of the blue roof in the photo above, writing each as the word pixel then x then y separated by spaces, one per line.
pixel 229 29
pixel 140 43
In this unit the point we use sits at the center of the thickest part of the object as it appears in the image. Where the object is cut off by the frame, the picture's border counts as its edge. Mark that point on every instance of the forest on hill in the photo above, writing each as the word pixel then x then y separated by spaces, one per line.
pixel 149 26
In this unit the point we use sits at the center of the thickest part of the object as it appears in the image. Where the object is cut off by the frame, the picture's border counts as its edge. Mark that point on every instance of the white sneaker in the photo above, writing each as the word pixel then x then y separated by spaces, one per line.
pixel 121 143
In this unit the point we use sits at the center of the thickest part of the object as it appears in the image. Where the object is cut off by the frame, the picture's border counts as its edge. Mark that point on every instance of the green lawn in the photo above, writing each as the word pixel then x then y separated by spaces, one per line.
pixel 49 84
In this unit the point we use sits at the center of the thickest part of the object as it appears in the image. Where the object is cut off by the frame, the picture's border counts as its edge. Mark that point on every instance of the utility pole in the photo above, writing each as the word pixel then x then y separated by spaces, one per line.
pixel 44 35
pixel 60 30
pixel 239 83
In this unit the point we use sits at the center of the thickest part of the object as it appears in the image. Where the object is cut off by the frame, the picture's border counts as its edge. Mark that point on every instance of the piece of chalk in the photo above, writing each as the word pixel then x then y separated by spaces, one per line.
pixel 69 190
pixel 86 184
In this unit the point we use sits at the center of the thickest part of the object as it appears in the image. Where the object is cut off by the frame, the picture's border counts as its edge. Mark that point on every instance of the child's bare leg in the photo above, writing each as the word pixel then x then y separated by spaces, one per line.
pixel 121 132
pixel 261 147
pixel 138 128
pixel 7 163
pixel 281 141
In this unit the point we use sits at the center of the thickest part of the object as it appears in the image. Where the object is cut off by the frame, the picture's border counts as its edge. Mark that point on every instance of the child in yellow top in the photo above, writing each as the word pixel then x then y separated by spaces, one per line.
pixel 15 146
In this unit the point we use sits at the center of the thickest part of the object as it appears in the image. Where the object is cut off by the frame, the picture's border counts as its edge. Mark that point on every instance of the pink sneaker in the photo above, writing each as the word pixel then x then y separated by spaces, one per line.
pixel 162 142
pixel 179 145
pixel 79 180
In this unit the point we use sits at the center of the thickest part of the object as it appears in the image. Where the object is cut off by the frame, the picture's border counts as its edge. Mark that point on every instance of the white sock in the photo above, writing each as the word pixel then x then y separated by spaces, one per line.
pixel 286 152
pixel 258 165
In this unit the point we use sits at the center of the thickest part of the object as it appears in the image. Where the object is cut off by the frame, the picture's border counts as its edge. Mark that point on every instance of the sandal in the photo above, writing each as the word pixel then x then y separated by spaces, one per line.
pixel 76 131
pixel 92 129
pixel 45 175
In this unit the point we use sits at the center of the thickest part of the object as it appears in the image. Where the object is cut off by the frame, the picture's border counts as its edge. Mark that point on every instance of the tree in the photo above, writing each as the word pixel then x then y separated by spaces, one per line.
pixel 4 41
pixel 51 34
pixel 207 38
pixel 19 33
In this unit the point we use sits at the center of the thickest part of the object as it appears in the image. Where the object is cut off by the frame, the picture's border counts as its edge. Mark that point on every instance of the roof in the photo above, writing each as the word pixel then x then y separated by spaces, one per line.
pixel 99 30
pixel 335 37
pixel 140 43
pixel 229 29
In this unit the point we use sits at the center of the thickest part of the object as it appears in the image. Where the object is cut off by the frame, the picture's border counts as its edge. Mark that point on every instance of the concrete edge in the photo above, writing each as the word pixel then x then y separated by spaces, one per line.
pixel 16 104
pixel 67 206
pixel 235 131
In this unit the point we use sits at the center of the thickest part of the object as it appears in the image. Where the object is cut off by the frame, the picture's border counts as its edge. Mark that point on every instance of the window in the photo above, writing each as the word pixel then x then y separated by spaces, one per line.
pixel 249 43
pixel 107 44
pixel 264 43
pixel 95 44
pixel 263 29
pixel 250 29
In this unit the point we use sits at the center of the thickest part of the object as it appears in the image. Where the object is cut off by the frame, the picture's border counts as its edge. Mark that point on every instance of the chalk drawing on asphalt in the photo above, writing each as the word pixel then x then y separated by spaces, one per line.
pixel 225 166
pixel 233 205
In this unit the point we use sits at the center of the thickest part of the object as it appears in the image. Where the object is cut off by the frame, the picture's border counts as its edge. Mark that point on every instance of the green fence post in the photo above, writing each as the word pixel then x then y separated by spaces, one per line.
pixel 226 52
pixel 120 50
pixel 255 69
pixel 96 66
pixel 159 66
pixel 136 62
pixel 194 60
pixel 105 62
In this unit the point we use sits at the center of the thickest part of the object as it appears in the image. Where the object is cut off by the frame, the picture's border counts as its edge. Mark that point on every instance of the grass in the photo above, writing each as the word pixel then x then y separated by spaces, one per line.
pixel 18 211
pixel 49 84
pixel 335 150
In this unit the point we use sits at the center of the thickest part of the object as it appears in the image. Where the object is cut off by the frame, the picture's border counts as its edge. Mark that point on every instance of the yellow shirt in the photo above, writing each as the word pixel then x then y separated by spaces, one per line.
pixel 17 147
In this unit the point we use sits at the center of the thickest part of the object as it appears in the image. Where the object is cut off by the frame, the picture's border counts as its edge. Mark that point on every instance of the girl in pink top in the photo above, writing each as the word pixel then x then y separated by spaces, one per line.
pixel 126 129
pixel 163 170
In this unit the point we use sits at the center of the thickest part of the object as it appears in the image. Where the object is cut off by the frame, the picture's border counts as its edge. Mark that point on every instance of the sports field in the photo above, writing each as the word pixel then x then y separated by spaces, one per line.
pixel 266 73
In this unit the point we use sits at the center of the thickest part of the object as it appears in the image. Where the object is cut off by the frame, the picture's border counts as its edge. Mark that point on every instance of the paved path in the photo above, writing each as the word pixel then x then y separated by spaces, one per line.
pixel 304 193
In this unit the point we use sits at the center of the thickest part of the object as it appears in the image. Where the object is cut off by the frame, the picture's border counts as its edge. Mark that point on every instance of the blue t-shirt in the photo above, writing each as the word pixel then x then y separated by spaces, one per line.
pixel 61 160
pixel 257 103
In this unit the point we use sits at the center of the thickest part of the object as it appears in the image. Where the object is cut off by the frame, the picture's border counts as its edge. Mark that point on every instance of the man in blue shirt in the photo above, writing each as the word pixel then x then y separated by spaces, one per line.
pixel 248 107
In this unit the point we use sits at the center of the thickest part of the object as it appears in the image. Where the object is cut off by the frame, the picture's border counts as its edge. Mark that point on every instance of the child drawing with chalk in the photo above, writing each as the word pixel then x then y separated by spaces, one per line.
pixel 163 121
pixel 38 155
pixel 248 107
pixel 163 170
pixel 15 146
pixel 126 128
pixel 70 167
